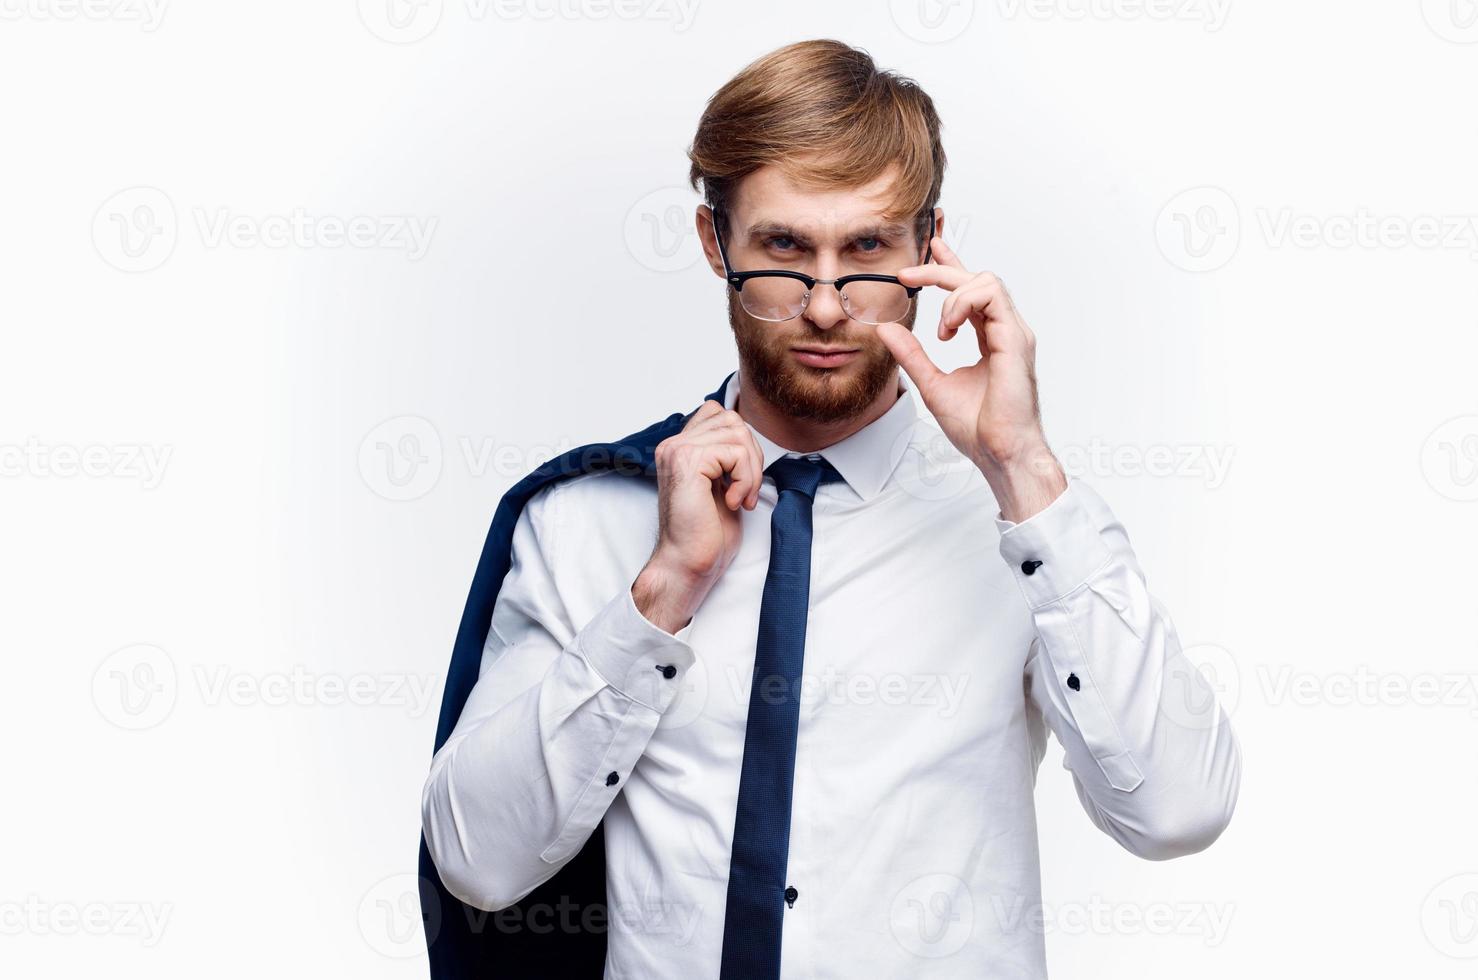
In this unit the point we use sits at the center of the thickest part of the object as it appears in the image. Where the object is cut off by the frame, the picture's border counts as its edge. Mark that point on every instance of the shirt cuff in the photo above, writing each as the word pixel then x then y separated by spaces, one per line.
pixel 1056 550
pixel 634 656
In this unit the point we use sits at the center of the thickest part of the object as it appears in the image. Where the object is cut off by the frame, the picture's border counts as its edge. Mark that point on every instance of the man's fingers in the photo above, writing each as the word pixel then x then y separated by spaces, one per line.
pixel 944 254
pixel 909 354
pixel 706 411
pixel 946 276
pixel 722 449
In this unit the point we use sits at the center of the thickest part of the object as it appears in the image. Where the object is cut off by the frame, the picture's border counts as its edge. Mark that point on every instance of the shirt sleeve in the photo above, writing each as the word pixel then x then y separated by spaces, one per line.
pixel 555 724
pixel 1153 756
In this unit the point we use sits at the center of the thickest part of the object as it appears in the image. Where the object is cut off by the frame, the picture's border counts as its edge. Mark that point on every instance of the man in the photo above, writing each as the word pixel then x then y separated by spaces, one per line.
pixel 798 685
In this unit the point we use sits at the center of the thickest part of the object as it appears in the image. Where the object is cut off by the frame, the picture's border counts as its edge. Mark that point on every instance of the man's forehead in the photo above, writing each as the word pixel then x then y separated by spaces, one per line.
pixel 770 197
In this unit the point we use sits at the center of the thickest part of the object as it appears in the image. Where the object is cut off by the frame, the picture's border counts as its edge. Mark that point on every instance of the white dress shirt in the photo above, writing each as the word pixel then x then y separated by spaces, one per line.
pixel 934 667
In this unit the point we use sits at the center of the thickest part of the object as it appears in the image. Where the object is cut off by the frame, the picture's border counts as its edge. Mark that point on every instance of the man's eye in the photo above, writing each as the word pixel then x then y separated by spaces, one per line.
pixel 871 244
pixel 781 243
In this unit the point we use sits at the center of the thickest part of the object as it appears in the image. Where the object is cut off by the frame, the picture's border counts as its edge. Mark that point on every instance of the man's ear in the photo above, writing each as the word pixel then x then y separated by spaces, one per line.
pixel 708 235
pixel 938 222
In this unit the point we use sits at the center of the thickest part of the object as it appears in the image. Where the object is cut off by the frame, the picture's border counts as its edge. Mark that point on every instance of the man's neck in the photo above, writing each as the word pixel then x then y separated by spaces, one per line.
pixel 807 436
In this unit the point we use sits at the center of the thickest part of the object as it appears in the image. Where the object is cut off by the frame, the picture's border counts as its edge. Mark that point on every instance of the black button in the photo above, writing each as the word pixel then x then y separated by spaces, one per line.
pixel 1029 566
pixel 791 895
pixel 1073 682
pixel 668 671
pixel 612 779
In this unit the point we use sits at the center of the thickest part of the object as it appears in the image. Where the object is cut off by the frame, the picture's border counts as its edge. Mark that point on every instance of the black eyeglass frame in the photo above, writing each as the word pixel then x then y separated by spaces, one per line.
pixel 738 279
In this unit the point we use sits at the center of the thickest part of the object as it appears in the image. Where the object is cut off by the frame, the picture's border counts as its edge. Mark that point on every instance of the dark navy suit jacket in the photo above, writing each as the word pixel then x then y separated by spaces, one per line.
pixel 559 929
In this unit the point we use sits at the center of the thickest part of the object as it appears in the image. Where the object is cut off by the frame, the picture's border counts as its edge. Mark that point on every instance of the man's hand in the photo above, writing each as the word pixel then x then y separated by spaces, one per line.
pixel 988 409
pixel 698 516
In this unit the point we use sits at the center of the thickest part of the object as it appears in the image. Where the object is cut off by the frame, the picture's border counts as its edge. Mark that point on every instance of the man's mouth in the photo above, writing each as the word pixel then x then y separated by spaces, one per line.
pixel 825 357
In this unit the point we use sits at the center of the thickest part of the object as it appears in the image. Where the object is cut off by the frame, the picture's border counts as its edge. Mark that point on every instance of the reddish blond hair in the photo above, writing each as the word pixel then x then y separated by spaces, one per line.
pixel 828 117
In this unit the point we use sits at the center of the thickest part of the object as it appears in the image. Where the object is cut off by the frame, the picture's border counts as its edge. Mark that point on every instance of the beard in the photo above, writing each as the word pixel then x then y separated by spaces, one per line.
pixel 801 391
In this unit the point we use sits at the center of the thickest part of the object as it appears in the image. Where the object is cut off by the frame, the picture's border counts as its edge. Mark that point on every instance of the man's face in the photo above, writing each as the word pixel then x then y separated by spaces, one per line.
pixel 774 223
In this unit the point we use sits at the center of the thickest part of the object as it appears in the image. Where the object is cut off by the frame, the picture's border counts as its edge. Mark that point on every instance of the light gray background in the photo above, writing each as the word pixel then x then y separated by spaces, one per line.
pixel 244 475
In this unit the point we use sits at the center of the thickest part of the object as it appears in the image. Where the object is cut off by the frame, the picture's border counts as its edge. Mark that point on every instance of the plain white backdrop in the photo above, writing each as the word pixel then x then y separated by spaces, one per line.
pixel 292 292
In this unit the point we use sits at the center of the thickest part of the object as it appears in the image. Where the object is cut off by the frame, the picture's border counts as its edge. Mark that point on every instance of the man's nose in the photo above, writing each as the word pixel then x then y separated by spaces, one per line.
pixel 824 308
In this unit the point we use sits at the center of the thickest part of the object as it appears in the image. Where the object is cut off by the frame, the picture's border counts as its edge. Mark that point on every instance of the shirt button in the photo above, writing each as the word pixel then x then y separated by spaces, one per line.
pixel 612 779
pixel 668 670
pixel 791 895
pixel 1073 682
pixel 1030 566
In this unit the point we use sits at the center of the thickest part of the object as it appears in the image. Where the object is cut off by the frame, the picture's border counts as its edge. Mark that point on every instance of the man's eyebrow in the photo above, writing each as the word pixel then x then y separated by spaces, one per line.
pixel 778 229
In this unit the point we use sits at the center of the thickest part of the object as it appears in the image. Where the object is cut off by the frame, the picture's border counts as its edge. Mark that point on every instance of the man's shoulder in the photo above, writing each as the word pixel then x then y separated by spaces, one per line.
pixel 607 492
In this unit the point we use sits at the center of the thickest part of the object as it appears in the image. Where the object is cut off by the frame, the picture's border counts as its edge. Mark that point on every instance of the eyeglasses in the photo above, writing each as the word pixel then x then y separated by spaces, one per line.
pixel 777 295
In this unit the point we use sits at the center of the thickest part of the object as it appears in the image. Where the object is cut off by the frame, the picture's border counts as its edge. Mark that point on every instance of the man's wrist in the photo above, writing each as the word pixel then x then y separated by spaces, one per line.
pixel 665 598
pixel 1025 484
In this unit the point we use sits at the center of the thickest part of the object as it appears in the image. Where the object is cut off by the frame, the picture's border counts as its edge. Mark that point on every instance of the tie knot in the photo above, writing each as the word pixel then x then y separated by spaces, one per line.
pixel 801 473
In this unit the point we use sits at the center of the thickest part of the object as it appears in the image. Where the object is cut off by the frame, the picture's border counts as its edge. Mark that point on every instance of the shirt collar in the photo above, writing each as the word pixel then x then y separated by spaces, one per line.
pixel 867 457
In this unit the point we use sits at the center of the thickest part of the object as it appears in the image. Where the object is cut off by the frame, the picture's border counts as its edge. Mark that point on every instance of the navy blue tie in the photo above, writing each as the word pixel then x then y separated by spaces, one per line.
pixel 754 914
